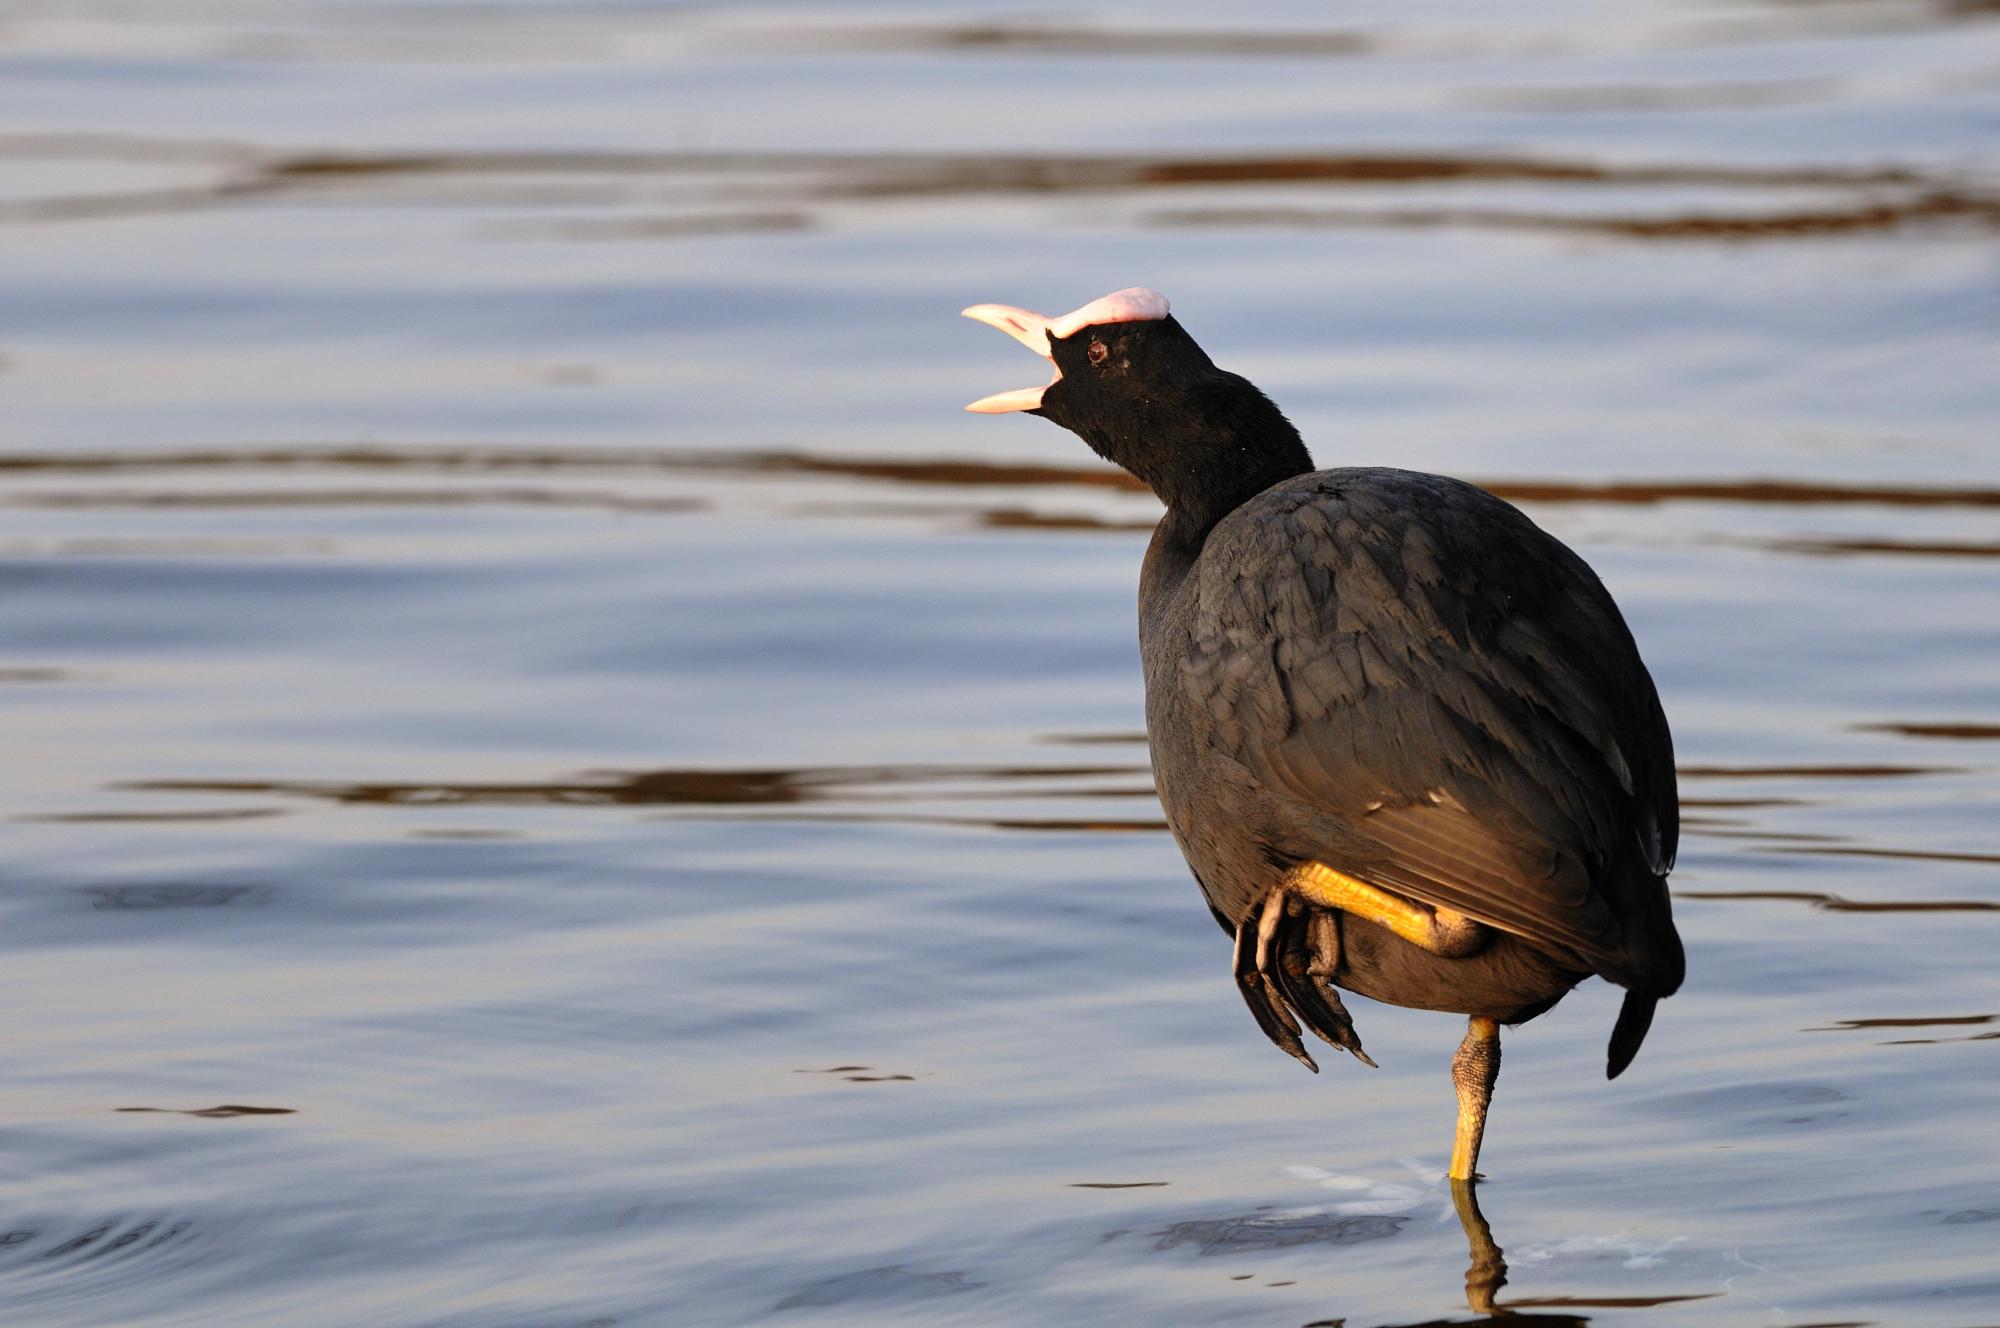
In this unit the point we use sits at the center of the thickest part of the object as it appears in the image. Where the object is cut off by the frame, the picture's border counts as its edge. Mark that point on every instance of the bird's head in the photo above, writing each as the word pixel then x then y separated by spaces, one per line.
pixel 1114 358
pixel 1133 384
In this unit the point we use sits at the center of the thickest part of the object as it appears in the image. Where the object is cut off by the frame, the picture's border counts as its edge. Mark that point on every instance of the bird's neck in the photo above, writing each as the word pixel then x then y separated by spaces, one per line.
pixel 1244 445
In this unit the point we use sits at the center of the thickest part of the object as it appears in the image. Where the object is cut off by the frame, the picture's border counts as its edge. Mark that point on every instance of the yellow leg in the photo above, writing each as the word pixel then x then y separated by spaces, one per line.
pixel 1440 931
pixel 1473 1071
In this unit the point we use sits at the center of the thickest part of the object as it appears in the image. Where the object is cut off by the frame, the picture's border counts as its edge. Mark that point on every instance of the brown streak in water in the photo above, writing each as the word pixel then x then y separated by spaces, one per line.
pixel 1018 519
pixel 950 472
pixel 1602 1302
pixel 1849 1025
pixel 1689 823
pixel 1793 224
pixel 942 472
pixel 1903 548
pixel 939 471
pixel 1736 95
pixel 961 822
pixel 226 1111
pixel 1746 803
pixel 1813 773
pixel 101 547
pixel 1769 492
pixel 1715 829
pixel 1931 1042
pixel 253 498
pixel 1047 39
pixel 1117 1184
pixel 28 675
pixel 1965 731
pixel 119 818
pixel 1074 39
pixel 650 228
pixel 1836 904
pixel 260 175
pixel 1899 854
pixel 672 787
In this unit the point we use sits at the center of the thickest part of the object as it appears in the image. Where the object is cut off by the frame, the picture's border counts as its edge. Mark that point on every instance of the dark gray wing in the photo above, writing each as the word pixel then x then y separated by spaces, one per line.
pixel 1430 685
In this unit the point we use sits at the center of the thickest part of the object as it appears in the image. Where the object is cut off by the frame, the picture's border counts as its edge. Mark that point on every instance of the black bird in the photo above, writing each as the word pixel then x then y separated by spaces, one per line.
pixel 1401 733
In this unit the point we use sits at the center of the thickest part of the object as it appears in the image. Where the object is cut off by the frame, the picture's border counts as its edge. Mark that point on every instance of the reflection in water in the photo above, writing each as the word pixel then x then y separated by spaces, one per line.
pixel 1903 548
pixel 567 474
pixel 1941 1021
pixel 701 787
pixel 1068 39
pixel 943 472
pixel 1900 854
pixel 1836 904
pixel 1488 1271
pixel 1790 224
pixel 677 227
pixel 862 1074
pixel 8 676
pixel 463 497
pixel 140 818
pixel 781 793
pixel 1096 825
pixel 1792 22
pixel 227 1111
pixel 1871 771
pixel 150 898
pixel 1845 1025
pixel 787 185
pixel 1962 731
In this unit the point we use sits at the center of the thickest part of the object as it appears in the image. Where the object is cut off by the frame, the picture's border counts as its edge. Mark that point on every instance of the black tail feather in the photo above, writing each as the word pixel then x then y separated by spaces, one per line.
pixel 1634 1018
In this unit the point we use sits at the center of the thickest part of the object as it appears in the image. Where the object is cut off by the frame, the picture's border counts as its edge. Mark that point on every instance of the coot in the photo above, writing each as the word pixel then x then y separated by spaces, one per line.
pixel 1402 734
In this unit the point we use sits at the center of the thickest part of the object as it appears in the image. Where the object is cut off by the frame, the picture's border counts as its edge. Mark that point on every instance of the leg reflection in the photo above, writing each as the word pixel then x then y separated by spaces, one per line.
pixel 1488 1272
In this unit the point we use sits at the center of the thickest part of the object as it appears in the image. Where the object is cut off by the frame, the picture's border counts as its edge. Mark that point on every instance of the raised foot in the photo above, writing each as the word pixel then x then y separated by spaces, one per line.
pixel 1439 930
pixel 1285 957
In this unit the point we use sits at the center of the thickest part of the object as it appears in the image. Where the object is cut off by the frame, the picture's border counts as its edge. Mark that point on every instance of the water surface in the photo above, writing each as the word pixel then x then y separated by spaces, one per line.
pixel 552 778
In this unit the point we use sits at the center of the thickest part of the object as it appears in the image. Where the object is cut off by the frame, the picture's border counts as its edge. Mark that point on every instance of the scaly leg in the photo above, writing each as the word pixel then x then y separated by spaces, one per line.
pixel 1441 931
pixel 1473 1071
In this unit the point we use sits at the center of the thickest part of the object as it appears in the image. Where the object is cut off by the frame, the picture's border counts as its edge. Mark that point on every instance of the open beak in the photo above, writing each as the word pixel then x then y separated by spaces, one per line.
pixel 1032 331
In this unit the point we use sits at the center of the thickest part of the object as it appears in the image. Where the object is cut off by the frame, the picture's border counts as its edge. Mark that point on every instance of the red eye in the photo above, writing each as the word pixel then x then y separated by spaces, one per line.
pixel 1097 352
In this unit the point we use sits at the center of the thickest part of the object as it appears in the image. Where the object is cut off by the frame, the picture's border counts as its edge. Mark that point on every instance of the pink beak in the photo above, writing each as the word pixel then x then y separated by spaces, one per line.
pixel 1032 331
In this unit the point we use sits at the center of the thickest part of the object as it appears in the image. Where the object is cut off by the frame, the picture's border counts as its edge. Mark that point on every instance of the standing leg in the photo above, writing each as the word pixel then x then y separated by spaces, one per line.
pixel 1473 1071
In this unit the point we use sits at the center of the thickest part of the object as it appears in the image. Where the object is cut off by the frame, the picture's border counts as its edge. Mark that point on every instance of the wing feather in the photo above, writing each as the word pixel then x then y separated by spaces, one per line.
pixel 1419 676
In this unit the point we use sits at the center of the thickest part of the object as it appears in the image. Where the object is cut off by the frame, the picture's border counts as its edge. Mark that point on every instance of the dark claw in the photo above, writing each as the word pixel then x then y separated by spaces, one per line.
pixel 1260 993
pixel 1308 954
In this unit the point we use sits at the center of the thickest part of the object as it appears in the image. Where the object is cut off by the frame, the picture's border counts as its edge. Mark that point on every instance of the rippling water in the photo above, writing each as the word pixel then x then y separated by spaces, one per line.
pixel 552 779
